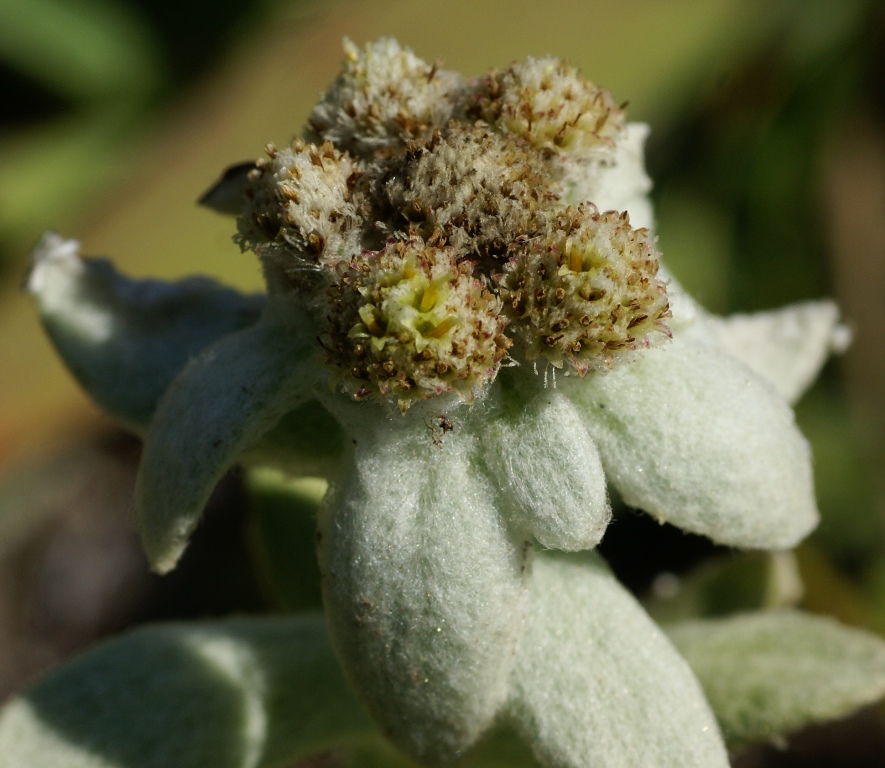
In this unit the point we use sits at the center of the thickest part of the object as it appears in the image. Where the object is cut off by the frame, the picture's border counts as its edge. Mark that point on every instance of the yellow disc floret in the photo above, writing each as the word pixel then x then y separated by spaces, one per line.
pixel 590 295
pixel 412 321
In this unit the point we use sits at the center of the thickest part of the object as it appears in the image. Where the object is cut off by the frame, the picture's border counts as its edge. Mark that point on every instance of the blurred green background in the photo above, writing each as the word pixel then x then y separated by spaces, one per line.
pixel 767 151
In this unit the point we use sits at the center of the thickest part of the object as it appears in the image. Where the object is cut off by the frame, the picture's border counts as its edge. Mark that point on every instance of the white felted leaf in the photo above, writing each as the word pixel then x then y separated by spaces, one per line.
pixel 598 685
pixel 259 693
pixel 123 339
pixel 685 311
pixel 788 346
pixel 220 405
pixel 548 470
pixel 767 674
pixel 695 438
pixel 619 183
pixel 422 582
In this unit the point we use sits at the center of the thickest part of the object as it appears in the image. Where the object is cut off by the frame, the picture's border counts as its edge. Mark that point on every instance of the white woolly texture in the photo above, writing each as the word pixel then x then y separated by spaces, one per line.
pixel 685 310
pixel 29 742
pixel 384 95
pixel 769 673
pixel 549 472
pixel 483 190
pixel 617 182
pixel 787 346
pixel 423 584
pixel 58 277
pixel 598 685
pixel 236 663
pixel 299 200
pixel 551 105
pixel 695 438
pixel 216 409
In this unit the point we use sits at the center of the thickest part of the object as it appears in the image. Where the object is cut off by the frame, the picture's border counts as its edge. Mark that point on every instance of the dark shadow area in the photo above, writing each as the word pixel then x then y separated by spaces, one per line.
pixel 855 742
pixel 639 548
pixel 26 100
pixel 76 574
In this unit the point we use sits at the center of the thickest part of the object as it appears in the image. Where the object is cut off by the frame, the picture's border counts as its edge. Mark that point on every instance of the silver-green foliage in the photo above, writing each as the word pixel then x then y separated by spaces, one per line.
pixel 249 693
pixel 770 673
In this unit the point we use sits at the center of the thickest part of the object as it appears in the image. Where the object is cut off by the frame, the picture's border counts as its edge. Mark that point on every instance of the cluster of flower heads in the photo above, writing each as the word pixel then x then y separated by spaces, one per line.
pixel 423 217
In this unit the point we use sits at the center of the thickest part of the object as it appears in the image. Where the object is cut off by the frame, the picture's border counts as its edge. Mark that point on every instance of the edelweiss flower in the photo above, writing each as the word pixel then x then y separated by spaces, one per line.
pixel 462 274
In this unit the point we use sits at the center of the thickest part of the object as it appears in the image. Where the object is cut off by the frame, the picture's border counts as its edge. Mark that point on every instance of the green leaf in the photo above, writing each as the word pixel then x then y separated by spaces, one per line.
pixel 767 674
pixel 125 340
pixel 220 405
pixel 282 533
pixel 725 585
pixel 235 694
pixel 307 441
pixel 226 195
pixel 787 346
pixel 598 684
pixel 503 748
pixel 423 582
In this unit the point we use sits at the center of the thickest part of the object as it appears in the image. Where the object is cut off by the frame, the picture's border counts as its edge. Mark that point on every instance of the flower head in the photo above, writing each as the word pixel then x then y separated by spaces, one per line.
pixel 435 250
pixel 589 294
pixel 483 192
pixel 411 322
pixel 385 95
pixel 551 105
pixel 437 240
pixel 297 208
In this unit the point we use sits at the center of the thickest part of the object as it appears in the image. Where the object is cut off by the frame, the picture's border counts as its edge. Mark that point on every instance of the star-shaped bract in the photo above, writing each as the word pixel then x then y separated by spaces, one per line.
pixel 432 249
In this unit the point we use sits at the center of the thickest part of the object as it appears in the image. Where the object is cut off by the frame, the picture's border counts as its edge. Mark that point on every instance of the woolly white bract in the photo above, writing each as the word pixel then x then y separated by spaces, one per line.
pixel 445 620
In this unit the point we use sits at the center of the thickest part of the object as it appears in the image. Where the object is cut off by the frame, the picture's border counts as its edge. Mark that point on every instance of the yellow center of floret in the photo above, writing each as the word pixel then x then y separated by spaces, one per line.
pixel 410 322
pixel 588 294
pixel 412 310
